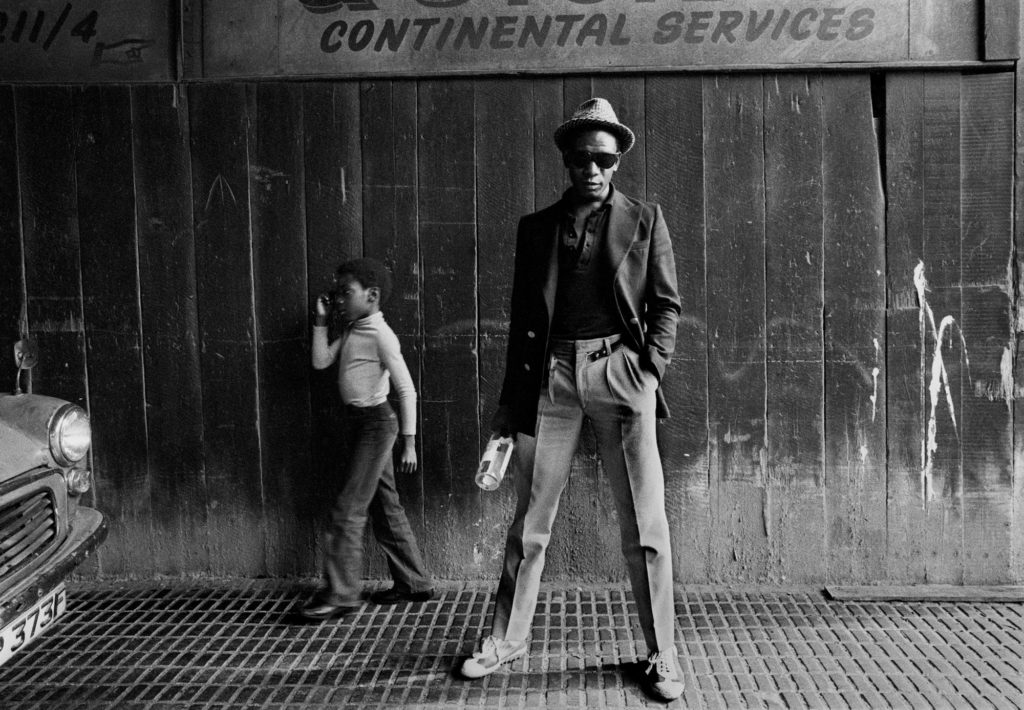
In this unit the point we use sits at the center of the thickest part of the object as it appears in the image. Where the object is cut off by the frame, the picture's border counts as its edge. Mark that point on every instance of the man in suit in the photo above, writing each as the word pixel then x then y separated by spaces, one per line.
pixel 593 325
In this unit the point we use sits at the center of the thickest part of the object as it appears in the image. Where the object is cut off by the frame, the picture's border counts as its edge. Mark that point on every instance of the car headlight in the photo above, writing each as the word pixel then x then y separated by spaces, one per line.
pixel 70 434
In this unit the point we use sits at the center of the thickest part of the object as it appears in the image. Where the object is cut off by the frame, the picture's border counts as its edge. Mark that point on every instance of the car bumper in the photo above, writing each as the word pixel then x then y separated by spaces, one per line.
pixel 88 531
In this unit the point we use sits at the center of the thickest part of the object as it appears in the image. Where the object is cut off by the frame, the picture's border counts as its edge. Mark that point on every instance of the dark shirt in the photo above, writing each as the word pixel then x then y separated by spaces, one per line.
pixel 584 299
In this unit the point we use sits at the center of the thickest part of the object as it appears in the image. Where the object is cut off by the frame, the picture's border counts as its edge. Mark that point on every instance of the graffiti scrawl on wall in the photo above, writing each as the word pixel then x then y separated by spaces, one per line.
pixel 938 378
pixel 99 40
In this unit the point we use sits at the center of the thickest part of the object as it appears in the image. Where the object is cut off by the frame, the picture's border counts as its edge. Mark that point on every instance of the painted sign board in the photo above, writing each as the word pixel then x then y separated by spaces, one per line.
pixel 359 37
pixel 89 41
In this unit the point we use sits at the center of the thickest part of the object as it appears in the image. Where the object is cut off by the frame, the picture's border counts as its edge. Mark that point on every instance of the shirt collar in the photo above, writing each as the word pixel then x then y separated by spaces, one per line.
pixel 608 199
pixel 372 319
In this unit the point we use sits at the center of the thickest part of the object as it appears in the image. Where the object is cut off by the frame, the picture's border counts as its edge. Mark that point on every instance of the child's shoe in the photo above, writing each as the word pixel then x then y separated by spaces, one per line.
pixel 319 609
pixel 396 595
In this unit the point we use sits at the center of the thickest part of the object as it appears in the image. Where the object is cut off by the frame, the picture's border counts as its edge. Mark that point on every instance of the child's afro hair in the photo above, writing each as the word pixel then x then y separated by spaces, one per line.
pixel 369 273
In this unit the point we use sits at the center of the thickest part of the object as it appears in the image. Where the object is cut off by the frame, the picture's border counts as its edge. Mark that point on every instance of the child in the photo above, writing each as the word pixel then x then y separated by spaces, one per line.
pixel 368 352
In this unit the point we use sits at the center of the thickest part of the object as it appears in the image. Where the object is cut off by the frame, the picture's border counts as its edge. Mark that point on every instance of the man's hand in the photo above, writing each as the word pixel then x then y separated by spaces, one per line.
pixel 501 422
pixel 407 462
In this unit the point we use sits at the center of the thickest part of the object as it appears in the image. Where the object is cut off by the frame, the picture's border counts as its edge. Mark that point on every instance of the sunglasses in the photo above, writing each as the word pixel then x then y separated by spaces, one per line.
pixel 582 159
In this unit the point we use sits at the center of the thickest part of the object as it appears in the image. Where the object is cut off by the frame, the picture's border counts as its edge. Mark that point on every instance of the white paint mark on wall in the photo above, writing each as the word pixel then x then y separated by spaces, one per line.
pixel 1006 377
pixel 939 379
pixel 874 396
pixel 731 438
pixel 874 377
pixel 1002 388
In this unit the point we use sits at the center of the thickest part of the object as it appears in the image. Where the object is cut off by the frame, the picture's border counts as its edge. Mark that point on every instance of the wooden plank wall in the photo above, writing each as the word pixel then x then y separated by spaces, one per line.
pixel 856 373
pixel 110 307
pixel 10 239
pixel 794 299
pixel 171 345
pixel 166 243
pixel 1017 413
pixel 951 478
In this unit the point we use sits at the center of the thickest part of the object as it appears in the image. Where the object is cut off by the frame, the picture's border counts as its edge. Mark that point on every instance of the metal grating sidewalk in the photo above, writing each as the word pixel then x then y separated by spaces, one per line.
pixel 229 644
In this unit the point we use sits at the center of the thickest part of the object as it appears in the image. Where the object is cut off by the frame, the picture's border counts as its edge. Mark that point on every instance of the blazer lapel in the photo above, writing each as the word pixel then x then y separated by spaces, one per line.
pixel 622 231
pixel 551 279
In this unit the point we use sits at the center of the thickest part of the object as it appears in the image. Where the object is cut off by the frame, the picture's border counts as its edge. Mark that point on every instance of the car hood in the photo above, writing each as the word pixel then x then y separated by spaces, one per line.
pixel 24 438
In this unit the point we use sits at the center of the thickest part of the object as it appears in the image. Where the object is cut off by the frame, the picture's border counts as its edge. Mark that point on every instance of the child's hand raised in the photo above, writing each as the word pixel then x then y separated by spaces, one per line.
pixel 407 462
pixel 323 305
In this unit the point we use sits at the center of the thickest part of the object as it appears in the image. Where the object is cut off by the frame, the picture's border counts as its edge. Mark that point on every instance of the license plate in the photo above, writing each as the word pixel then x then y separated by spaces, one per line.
pixel 26 627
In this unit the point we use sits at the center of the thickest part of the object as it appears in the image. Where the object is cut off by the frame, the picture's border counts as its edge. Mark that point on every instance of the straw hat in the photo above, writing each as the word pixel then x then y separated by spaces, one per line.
pixel 594 115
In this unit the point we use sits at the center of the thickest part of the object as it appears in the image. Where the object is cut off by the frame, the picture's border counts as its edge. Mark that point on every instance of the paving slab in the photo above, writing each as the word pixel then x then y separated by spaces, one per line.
pixel 206 644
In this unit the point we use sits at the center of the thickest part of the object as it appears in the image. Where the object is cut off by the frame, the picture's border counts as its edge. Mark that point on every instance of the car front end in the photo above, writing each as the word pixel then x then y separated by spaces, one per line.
pixel 45 531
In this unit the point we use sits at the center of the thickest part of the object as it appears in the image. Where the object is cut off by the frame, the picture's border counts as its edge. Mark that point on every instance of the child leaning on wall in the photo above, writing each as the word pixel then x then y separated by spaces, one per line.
pixel 369 360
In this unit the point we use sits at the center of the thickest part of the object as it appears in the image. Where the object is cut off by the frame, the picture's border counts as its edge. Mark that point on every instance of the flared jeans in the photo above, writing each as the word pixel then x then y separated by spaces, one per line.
pixel 369 492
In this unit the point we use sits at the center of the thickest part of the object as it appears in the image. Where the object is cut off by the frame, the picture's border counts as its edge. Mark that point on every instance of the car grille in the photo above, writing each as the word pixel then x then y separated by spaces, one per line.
pixel 27 528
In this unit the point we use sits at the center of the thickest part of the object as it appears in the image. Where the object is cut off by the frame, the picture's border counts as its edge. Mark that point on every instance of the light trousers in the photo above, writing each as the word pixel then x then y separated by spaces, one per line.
pixel 618 396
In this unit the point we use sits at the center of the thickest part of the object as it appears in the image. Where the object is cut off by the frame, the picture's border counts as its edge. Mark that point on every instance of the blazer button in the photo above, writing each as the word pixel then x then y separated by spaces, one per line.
pixel 526 367
pixel 530 334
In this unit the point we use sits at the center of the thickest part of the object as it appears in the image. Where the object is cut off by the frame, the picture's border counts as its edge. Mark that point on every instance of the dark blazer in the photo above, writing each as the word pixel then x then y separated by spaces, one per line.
pixel 640 252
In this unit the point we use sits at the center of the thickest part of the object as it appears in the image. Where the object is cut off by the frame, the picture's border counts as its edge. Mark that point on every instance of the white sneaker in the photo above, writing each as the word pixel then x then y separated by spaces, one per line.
pixel 664 677
pixel 493 653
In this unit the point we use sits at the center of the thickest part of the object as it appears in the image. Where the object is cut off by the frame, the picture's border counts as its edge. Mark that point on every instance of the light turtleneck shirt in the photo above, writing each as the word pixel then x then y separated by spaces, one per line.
pixel 368 353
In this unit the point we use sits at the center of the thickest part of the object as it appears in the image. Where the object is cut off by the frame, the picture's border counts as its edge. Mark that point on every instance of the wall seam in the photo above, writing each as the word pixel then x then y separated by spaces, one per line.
pixel 251 119
pixel 138 300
